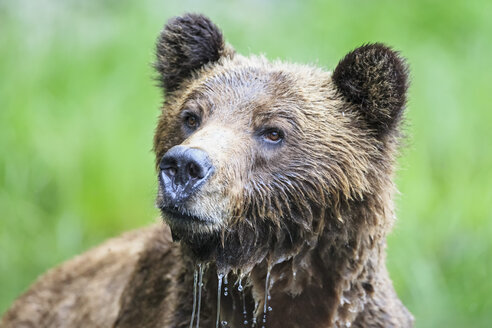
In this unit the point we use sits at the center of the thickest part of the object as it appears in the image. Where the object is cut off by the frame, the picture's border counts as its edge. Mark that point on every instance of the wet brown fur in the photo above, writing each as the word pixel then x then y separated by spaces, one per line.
pixel 314 210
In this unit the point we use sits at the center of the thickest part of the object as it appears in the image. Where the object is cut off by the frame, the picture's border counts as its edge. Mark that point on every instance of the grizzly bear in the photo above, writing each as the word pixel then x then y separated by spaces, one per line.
pixel 275 181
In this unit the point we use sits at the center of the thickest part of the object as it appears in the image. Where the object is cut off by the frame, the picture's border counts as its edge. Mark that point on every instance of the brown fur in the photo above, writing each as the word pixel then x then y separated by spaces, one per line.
pixel 312 210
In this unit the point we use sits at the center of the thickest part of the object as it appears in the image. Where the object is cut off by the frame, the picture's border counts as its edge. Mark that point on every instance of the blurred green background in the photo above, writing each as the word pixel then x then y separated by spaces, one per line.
pixel 78 106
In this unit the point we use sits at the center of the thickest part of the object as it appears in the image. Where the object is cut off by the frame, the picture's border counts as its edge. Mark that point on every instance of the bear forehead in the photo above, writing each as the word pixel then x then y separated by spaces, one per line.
pixel 262 88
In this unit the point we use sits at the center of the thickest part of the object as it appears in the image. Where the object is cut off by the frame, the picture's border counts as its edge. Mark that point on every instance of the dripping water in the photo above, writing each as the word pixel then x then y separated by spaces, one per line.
pixel 220 276
pixel 200 283
pixel 234 299
pixel 241 290
pixel 240 286
pixel 267 297
pixel 195 281
pixel 225 286
pixel 253 320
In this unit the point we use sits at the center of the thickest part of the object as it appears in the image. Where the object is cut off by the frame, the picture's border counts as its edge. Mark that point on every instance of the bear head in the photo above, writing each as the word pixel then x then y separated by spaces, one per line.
pixel 257 159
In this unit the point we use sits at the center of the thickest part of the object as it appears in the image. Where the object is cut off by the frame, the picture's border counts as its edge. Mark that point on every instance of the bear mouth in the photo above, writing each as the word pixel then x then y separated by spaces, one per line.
pixel 176 217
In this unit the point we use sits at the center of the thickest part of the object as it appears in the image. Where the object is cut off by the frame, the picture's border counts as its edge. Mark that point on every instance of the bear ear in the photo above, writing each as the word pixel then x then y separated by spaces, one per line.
pixel 186 44
pixel 374 78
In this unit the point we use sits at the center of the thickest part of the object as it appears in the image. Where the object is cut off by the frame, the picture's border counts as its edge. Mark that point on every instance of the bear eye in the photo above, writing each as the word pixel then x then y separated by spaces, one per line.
pixel 191 121
pixel 273 136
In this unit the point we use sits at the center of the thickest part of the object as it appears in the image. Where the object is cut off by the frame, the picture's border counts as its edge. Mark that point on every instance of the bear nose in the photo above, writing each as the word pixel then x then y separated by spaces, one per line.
pixel 183 171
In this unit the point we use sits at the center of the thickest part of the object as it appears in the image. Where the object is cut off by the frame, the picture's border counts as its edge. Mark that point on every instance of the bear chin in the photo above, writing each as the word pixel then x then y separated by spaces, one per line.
pixel 185 224
pixel 229 246
pixel 204 246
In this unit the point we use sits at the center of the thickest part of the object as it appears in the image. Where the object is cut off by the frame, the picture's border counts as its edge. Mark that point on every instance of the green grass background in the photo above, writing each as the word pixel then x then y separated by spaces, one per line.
pixel 78 106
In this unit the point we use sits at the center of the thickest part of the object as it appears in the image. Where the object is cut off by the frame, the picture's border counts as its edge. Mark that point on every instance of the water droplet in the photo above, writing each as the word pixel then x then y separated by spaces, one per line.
pixel 270 308
pixel 225 291
pixel 240 285
pixel 245 322
pixel 344 300
pixel 223 324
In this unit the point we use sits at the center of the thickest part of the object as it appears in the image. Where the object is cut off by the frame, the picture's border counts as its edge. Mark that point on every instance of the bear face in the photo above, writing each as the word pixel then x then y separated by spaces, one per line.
pixel 257 159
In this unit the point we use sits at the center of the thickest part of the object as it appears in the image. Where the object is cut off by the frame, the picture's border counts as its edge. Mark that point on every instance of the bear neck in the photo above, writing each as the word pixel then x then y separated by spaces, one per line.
pixel 330 281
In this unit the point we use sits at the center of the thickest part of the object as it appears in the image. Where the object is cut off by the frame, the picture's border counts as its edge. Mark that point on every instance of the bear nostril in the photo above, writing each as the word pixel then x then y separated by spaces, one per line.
pixel 194 171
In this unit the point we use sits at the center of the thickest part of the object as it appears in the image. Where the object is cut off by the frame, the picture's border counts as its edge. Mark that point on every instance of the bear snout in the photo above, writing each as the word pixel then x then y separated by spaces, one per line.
pixel 183 170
